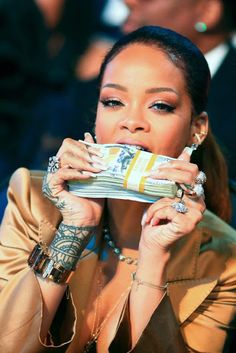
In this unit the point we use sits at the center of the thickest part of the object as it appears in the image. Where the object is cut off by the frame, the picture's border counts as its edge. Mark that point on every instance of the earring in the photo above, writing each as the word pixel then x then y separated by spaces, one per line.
pixel 199 137
pixel 200 27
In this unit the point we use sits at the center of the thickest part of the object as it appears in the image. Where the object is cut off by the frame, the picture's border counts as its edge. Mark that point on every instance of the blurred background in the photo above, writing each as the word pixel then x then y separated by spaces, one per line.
pixel 50 55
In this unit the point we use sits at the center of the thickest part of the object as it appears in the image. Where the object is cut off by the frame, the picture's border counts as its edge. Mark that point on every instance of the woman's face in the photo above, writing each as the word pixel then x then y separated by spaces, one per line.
pixel 143 101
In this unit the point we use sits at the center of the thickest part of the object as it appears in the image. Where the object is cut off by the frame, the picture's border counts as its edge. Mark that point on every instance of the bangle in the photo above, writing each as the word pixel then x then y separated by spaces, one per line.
pixel 44 266
pixel 140 282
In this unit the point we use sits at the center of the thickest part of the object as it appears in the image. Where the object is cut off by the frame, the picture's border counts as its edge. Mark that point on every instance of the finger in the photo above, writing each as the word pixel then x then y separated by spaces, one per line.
pixel 195 203
pixel 88 137
pixel 185 154
pixel 185 222
pixel 179 176
pixel 158 205
pixel 82 162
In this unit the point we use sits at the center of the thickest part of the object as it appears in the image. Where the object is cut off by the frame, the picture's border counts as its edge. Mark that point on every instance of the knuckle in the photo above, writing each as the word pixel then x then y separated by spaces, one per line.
pixel 195 169
pixel 189 178
pixel 67 141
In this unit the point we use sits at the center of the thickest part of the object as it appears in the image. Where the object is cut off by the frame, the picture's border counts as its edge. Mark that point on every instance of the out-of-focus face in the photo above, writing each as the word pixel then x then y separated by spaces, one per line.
pixel 143 101
pixel 178 15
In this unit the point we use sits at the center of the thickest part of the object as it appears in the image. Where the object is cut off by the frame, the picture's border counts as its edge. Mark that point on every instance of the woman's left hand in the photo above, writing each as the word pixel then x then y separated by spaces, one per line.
pixel 162 224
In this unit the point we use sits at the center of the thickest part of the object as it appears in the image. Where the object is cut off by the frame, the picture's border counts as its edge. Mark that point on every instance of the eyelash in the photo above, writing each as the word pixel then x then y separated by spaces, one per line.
pixel 111 103
pixel 157 106
pixel 163 107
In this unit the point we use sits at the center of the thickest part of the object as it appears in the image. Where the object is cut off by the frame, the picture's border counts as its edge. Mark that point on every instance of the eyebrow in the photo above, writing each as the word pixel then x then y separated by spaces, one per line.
pixel 149 90
pixel 115 85
pixel 161 89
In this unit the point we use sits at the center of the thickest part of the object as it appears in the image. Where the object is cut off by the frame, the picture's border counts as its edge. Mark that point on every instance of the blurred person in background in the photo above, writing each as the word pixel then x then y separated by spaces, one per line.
pixel 89 30
pixel 41 42
pixel 209 24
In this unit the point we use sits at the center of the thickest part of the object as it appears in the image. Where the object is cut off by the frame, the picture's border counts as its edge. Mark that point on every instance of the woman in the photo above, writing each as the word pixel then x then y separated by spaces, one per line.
pixel 175 287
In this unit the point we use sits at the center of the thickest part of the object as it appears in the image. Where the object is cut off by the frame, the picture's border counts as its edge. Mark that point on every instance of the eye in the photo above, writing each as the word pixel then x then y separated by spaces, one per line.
pixel 111 102
pixel 162 107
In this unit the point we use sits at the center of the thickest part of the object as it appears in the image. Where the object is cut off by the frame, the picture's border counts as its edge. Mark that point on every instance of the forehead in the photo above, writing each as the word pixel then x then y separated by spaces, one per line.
pixel 147 62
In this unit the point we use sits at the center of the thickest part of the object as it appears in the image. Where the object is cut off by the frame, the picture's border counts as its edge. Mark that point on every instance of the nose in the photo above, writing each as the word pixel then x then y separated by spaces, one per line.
pixel 135 124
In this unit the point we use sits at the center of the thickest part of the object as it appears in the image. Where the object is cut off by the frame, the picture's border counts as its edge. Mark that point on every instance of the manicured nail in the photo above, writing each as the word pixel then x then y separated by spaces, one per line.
pixel 143 221
pixel 93 175
pixel 99 166
pixel 97 160
pixel 188 150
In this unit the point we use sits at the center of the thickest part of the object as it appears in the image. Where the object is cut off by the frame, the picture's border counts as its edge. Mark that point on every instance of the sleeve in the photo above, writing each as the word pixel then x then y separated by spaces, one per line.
pixel 20 295
pixel 212 326
pixel 161 335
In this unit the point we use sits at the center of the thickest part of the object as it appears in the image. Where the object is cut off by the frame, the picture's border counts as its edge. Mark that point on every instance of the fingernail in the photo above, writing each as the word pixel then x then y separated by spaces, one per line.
pixel 143 220
pixel 93 175
pixel 99 166
pixel 96 152
pixel 152 222
pixel 97 160
pixel 87 134
pixel 187 150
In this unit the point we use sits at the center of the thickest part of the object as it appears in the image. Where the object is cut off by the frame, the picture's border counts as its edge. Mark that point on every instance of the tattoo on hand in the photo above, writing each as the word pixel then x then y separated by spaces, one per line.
pixel 47 191
pixel 69 243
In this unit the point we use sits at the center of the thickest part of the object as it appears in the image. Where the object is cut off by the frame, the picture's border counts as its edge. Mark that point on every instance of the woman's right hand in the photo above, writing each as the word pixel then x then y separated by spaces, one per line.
pixel 77 162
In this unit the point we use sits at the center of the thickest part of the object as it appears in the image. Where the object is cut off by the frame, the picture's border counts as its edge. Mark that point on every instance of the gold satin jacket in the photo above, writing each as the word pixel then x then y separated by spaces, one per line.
pixel 200 306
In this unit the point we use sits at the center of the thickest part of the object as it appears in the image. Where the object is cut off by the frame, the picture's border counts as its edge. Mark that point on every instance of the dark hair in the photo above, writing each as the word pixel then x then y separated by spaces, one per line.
pixel 180 50
pixel 189 59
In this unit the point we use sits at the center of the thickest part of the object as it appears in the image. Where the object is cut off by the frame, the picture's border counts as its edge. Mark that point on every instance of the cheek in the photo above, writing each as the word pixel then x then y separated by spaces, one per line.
pixel 171 140
pixel 102 129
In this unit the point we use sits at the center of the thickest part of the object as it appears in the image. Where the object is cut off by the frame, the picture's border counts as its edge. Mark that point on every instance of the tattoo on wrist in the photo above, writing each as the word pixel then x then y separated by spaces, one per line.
pixel 69 243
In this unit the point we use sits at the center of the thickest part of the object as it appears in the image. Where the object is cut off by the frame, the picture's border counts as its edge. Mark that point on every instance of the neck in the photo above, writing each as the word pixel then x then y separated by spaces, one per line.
pixel 209 41
pixel 124 218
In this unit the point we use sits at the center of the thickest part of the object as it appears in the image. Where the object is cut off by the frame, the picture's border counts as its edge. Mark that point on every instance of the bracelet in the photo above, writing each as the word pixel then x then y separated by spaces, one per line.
pixel 44 266
pixel 140 282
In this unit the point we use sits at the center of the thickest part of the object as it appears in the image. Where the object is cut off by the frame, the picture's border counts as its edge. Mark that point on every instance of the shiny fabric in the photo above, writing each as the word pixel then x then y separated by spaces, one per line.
pixel 198 315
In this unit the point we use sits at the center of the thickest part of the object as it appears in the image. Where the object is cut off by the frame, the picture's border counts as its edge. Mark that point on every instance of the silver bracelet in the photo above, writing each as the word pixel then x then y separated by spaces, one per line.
pixel 140 282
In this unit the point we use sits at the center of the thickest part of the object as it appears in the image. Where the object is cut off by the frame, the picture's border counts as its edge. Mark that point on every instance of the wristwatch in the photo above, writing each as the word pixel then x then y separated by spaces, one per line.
pixel 41 263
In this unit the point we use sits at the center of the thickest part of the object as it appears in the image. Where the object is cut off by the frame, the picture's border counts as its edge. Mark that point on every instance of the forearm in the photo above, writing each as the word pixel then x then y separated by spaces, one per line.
pixel 147 291
pixel 64 251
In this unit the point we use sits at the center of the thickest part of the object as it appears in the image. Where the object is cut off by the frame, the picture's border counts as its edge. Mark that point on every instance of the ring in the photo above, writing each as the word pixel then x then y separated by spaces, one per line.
pixel 180 206
pixel 53 164
pixel 200 178
pixel 197 191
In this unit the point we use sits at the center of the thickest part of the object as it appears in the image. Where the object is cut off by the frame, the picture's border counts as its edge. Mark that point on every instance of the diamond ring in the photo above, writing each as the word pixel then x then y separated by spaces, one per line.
pixel 200 178
pixel 180 206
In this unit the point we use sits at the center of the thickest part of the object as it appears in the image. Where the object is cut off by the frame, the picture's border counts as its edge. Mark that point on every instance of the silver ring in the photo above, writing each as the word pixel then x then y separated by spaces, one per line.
pixel 180 206
pixel 197 191
pixel 200 178
pixel 53 164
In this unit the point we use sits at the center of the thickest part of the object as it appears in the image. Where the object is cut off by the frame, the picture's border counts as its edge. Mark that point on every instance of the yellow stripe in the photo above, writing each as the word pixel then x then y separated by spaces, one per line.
pixel 130 168
pixel 148 167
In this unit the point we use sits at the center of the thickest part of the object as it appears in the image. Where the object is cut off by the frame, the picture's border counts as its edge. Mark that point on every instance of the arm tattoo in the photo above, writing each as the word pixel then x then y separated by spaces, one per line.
pixel 69 243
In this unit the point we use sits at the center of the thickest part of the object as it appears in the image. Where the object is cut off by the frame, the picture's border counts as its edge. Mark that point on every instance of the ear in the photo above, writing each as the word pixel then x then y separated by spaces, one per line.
pixel 199 129
pixel 211 13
